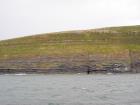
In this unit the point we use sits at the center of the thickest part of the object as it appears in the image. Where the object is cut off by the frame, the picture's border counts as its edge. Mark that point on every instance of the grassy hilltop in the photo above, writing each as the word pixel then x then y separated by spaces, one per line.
pixel 113 44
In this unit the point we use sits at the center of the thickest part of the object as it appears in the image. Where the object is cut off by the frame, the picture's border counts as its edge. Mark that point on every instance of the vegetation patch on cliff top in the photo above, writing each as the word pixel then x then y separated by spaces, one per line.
pixel 112 40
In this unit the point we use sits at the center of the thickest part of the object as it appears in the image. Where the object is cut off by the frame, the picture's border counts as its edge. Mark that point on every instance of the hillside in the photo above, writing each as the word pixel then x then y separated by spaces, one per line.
pixel 73 51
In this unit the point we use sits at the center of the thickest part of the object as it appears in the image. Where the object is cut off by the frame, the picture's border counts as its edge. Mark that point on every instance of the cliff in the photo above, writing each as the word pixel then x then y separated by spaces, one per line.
pixel 112 49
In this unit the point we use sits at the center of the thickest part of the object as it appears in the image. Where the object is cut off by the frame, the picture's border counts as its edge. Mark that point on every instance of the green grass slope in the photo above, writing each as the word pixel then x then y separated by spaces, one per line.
pixel 104 41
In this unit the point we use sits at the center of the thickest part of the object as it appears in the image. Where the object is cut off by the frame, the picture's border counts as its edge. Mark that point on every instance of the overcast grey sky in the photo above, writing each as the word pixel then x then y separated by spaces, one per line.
pixel 26 17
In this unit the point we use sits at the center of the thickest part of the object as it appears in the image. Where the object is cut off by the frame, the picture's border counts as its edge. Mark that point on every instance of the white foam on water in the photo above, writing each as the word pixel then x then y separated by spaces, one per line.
pixel 21 74
pixel 109 73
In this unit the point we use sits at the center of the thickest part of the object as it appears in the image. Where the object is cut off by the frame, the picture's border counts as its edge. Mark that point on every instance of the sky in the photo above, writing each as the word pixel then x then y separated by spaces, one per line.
pixel 28 17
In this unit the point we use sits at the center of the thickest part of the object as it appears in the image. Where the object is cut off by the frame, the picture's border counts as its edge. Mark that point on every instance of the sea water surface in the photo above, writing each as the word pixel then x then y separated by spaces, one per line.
pixel 72 89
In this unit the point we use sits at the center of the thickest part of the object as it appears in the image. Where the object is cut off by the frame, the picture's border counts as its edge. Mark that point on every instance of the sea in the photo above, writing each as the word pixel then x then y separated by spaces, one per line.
pixel 70 89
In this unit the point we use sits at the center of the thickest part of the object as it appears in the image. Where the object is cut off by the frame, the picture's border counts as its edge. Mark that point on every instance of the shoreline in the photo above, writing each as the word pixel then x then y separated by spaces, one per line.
pixel 39 71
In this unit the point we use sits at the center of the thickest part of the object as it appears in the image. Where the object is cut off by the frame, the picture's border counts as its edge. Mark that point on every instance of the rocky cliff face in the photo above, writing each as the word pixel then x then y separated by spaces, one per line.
pixel 73 64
